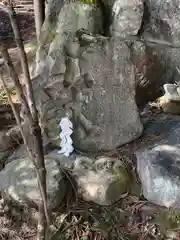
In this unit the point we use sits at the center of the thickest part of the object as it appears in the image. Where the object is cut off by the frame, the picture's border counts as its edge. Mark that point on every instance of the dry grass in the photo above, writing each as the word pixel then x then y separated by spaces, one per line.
pixel 3 97
pixel 83 221
pixel 30 49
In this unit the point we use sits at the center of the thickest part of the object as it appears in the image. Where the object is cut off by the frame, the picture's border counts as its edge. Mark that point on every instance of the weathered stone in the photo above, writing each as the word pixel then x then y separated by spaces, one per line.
pixel 99 66
pixel 61 26
pixel 107 88
pixel 163 20
pixel 110 105
pixel 102 181
pixel 18 179
pixel 94 82
pixel 72 17
pixel 127 17
pixel 160 24
pixel 76 16
pixel 50 97
pixel 172 92
pixel 158 162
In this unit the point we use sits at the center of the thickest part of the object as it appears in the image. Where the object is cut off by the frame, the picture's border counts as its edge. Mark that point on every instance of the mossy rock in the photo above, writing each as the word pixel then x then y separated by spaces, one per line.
pixel 88 1
pixel 54 131
pixel 48 34
pixel 121 183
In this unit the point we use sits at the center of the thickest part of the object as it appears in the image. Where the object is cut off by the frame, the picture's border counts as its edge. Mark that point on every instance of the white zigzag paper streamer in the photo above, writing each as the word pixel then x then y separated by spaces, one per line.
pixel 65 136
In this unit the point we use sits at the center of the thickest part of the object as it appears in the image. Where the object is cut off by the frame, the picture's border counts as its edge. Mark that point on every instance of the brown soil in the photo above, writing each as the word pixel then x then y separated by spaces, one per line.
pixel 26 23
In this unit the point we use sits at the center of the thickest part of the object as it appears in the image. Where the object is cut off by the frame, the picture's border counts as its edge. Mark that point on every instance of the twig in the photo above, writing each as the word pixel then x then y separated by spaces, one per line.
pixel 66 173
pixel 14 77
pixel 60 230
pixel 23 58
pixel 38 169
pixel 15 112
pixel 34 121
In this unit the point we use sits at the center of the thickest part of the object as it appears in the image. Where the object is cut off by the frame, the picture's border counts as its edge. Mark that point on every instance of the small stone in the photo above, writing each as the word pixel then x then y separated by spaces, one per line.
pixel 171 235
pixel 171 92
pixel 170 101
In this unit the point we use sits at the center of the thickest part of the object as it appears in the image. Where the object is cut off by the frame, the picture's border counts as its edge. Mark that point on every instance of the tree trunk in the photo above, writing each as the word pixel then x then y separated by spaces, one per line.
pixel 39 14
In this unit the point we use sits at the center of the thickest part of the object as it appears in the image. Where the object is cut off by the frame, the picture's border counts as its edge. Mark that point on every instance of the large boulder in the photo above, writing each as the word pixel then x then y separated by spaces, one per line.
pixel 19 181
pixel 105 100
pixel 158 162
pixel 110 104
pixel 89 76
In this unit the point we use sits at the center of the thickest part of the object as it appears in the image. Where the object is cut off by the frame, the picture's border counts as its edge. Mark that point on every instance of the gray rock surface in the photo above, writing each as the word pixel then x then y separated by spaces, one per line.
pixel 126 17
pixel 73 13
pixel 158 163
pixel 102 181
pixel 110 105
pixel 61 23
pixel 161 24
pixel 18 180
pixel 90 77
pixel 163 20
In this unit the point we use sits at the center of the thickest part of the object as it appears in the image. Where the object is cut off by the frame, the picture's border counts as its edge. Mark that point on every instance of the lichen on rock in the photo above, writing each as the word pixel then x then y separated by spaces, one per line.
pixel 102 181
